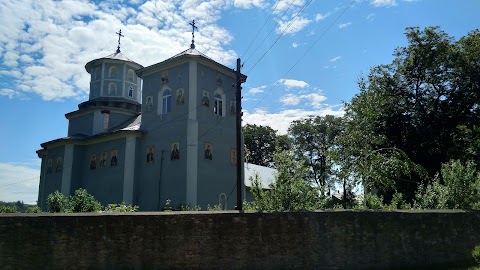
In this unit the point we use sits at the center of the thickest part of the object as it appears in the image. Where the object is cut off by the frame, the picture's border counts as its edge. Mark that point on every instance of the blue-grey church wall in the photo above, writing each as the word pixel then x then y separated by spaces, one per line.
pixel 80 161
pixel 104 182
pixel 216 177
pixel 82 124
pixel 52 174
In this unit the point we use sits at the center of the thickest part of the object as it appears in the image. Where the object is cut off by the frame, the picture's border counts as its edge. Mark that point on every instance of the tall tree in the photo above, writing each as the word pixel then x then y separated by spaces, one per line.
pixel 260 144
pixel 315 139
pixel 412 113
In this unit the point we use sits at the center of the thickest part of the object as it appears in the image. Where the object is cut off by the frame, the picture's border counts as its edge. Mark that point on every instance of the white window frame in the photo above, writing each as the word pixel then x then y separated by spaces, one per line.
pixel 163 100
pixel 216 109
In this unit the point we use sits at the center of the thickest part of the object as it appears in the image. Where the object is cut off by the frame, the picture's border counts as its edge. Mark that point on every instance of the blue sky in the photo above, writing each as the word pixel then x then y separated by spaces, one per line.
pixel 305 60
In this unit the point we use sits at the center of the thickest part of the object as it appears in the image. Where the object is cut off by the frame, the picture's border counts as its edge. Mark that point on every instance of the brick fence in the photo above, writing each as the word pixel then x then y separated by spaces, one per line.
pixel 232 240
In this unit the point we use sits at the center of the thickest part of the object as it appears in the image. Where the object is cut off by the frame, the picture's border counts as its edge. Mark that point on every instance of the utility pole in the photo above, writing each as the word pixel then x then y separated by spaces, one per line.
pixel 238 105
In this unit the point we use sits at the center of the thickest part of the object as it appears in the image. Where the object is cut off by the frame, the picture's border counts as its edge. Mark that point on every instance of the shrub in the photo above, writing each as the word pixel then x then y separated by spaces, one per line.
pixel 461 188
pixel 476 254
pixel 216 207
pixel 57 202
pixel 398 202
pixel 373 201
pixel 121 208
pixel 190 208
pixel 81 201
pixel 33 209
pixel 8 209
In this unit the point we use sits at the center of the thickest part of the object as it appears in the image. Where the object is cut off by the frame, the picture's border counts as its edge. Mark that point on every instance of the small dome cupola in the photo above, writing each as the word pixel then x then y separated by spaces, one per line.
pixel 113 77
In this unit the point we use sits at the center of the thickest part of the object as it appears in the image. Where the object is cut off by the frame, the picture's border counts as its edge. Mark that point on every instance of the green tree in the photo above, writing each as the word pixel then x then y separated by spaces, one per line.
pixel 57 202
pixel 314 141
pixel 260 143
pixel 411 114
pixel 289 191
pixel 81 201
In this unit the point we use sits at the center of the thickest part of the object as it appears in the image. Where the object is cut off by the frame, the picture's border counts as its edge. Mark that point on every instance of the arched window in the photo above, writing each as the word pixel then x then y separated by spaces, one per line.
pixel 97 73
pixel 112 89
pixel 112 73
pixel 166 101
pixel 130 91
pixel 218 108
pixel 130 75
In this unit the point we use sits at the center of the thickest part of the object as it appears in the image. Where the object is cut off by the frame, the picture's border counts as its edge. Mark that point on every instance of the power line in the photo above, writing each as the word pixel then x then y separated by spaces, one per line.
pixel 282 34
pixel 303 55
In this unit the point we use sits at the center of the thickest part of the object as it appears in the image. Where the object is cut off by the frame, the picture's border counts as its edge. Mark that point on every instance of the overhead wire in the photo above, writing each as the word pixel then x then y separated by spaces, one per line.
pixel 303 55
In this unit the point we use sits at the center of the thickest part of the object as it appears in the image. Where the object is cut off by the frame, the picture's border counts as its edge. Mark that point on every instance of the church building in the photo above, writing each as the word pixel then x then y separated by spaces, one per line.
pixel 149 134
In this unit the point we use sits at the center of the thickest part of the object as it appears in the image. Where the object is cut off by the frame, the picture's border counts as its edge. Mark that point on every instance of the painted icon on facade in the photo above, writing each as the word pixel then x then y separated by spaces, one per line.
pixel 180 97
pixel 165 76
pixel 49 165
pixel 174 151
pixel 208 151
pixel 150 154
pixel 233 108
pixel 205 98
pixel 59 165
pixel 149 103
pixel 233 156
pixel 113 159
pixel 103 159
pixel 93 162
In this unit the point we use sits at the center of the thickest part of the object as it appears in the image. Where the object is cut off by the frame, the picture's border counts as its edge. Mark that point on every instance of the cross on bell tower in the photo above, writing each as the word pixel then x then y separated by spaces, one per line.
pixel 192 46
pixel 119 33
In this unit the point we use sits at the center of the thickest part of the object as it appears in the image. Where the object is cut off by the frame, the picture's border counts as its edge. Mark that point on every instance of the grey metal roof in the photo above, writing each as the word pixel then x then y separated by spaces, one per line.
pixel 266 175
pixel 115 56
pixel 190 51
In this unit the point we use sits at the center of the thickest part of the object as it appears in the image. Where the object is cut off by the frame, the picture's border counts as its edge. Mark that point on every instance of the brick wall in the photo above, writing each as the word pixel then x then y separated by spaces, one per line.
pixel 229 240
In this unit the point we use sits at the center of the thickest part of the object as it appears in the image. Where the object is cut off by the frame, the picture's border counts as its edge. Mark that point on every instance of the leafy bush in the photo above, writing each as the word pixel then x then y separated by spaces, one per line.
pixel 33 209
pixel 216 207
pixel 461 188
pixel 398 202
pixel 7 209
pixel 81 201
pixel 373 201
pixel 57 202
pixel 289 191
pixel 476 254
pixel 121 208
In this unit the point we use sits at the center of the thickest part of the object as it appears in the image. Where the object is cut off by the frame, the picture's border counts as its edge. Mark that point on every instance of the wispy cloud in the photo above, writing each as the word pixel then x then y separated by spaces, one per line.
pixel 383 3
pixel 292 26
pixel 370 17
pixel 335 59
pixel 290 83
pixel 18 181
pixel 281 120
pixel 257 90
pixel 344 25
pixel 321 17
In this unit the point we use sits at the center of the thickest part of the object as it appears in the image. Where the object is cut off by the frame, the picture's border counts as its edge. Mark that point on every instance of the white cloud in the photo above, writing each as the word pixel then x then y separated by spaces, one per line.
pixel 10 93
pixel 283 5
pixel 281 120
pixel 290 99
pixel 321 17
pixel 18 182
pixel 45 44
pixel 383 3
pixel 335 59
pixel 295 44
pixel 344 25
pixel 313 100
pixel 249 3
pixel 370 17
pixel 289 83
pixel 257 90
pixel 296 24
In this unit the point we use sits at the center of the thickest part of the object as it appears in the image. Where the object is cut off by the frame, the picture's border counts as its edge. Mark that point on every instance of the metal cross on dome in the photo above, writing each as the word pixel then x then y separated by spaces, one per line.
pixel 192 46
pixel 119 33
